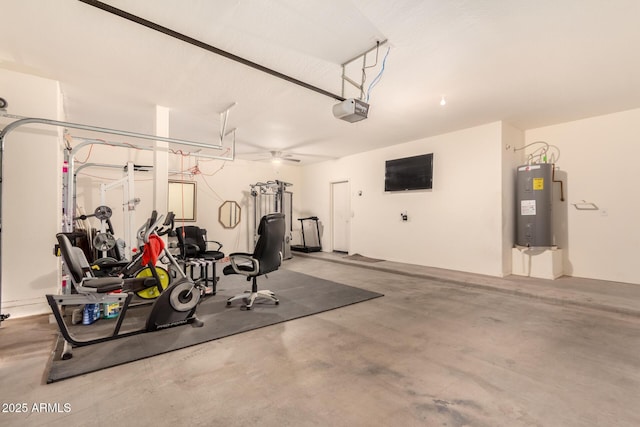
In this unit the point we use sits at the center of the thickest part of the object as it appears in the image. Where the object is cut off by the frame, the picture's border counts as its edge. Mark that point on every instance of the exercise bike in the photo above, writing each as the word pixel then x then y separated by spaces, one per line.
pixel 135 268
pixel 174 307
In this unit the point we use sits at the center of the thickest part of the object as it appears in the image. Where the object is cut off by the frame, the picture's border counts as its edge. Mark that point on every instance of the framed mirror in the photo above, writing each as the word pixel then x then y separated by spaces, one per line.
pixel 182 200
pixel 229 214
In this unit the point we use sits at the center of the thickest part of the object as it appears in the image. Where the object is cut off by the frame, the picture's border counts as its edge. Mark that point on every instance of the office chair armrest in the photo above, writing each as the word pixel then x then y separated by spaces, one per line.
pixel 216 242
pixel 241 259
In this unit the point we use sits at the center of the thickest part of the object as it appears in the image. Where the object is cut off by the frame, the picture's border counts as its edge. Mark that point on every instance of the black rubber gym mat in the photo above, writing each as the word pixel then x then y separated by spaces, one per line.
pixel 300 295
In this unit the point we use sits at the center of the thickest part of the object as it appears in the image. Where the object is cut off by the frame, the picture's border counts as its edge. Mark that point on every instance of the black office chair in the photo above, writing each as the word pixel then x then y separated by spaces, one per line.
pixel 193 245
pixel 266 257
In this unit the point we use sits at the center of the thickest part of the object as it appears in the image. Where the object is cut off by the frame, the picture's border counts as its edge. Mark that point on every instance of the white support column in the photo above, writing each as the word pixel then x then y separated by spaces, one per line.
pixel 129 206
pixel 161 161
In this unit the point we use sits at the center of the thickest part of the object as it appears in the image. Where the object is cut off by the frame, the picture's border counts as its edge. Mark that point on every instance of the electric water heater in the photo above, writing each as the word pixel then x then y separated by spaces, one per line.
pixel 534 198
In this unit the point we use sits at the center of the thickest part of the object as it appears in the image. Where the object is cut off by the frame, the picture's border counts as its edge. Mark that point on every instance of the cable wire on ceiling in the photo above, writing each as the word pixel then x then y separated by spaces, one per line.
pixel 379 76
pixel 152 25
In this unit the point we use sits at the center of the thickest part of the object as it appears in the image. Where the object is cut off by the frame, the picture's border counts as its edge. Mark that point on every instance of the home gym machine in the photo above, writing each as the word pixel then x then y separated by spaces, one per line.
pixel 174 307
pixel 129 201
pixel 103 241
pixel 273 197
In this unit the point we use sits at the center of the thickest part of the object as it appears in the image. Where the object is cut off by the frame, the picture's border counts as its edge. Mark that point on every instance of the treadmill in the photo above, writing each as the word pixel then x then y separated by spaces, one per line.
pixel 311 244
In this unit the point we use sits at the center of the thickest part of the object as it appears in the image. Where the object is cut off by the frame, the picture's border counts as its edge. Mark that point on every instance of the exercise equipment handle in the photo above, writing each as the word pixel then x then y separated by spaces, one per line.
pixel 143 231
pixel 153 226
pixel 169 220
pixel 168 225
pixel 152 218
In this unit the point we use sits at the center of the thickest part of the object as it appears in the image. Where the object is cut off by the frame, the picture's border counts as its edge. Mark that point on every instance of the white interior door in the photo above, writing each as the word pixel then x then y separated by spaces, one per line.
pixel 340 215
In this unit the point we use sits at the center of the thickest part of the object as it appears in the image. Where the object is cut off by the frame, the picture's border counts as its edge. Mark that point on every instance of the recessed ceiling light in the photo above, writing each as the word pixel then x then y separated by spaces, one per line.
pixel 443 101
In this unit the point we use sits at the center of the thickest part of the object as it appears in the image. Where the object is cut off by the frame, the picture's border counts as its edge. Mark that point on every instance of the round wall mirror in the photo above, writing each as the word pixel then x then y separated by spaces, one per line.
pixel 229 214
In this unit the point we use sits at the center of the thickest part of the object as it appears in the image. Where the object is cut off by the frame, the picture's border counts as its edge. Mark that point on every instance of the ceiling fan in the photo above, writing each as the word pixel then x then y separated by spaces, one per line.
pixel 279 156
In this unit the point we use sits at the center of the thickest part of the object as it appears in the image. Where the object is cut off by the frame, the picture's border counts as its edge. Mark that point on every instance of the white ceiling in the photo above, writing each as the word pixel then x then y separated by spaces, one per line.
pixel 530 63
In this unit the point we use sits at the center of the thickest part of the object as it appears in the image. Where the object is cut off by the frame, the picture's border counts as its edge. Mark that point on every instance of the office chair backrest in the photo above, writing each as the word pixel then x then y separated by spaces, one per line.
pixel 268 249
pixel 191 235
pixel 74 259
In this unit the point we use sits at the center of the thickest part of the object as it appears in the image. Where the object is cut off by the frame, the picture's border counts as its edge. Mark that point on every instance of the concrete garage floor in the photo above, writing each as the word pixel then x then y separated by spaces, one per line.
pixel 440 349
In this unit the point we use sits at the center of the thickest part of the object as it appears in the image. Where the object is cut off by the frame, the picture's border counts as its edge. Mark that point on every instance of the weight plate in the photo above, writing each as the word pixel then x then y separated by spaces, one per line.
pixel 103 212
pixel 104 241
pixel 152 291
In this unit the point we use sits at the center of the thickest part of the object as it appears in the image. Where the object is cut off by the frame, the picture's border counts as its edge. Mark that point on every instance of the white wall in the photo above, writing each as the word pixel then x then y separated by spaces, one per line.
pixel 220 181
pixel 31 193
pixel 599 158
pixel 512 138
pixel 457 225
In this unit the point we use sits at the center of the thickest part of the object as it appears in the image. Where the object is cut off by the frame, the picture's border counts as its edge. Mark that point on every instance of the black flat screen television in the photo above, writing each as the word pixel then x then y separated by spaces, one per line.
pixel 409 173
